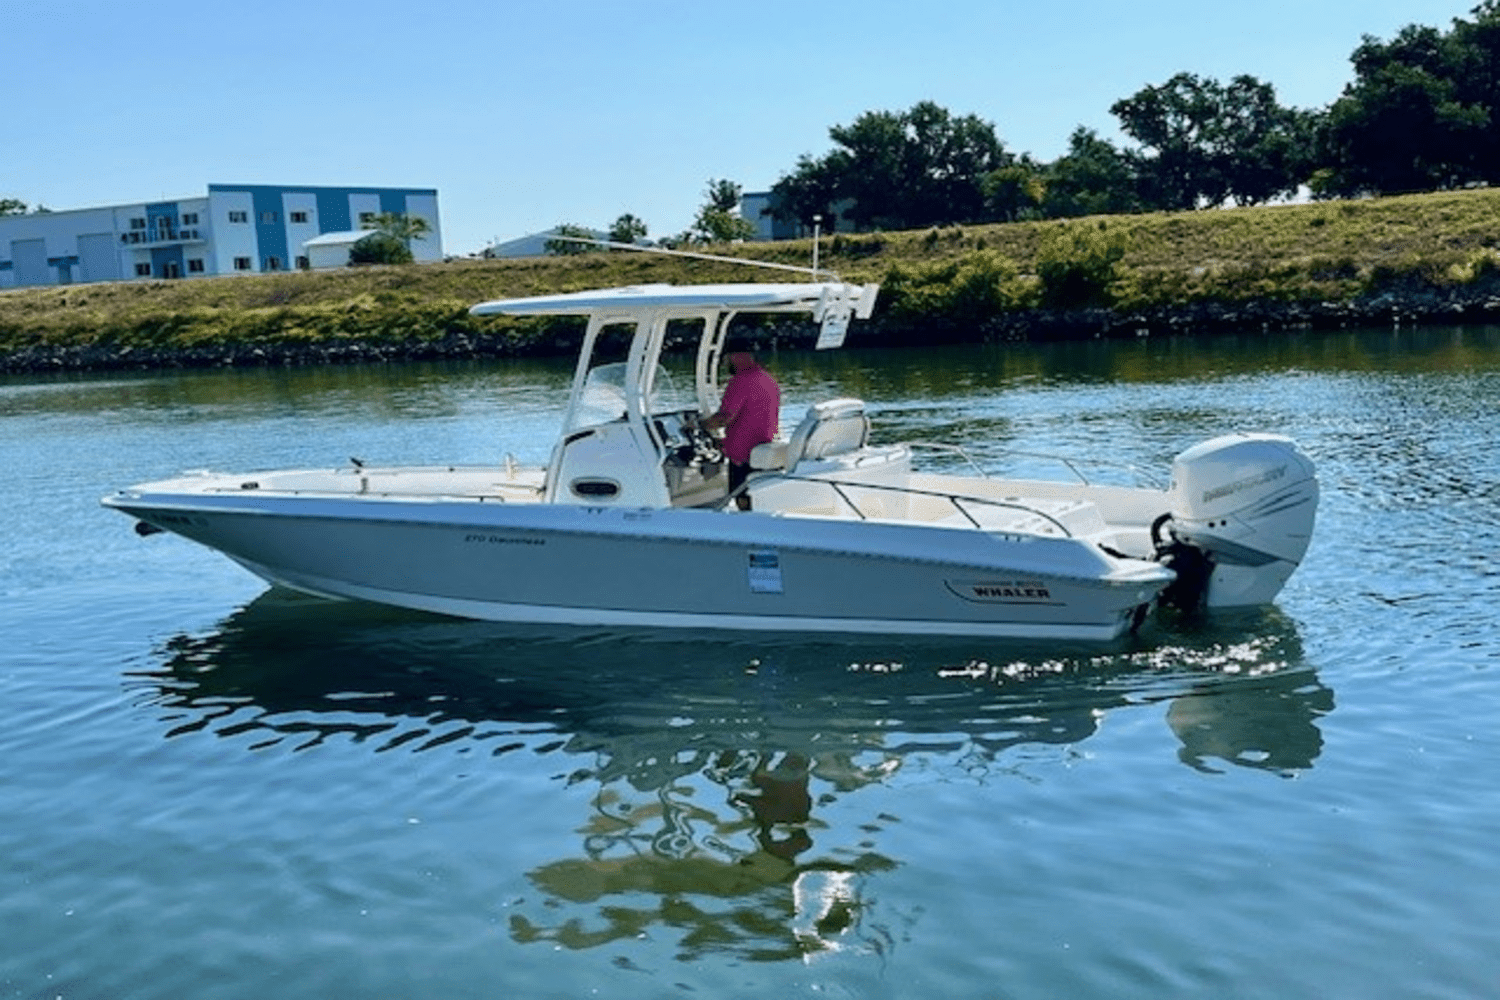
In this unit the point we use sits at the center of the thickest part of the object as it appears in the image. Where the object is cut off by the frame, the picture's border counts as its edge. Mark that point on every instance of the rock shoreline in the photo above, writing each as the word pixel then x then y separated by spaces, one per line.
pixel 1459 306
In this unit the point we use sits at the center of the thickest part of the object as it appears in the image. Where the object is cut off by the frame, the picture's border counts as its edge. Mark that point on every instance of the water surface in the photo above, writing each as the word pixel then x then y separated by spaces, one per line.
pixel 211 790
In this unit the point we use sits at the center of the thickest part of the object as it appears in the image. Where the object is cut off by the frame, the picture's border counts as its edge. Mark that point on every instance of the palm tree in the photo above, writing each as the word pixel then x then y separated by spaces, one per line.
pixel 401 226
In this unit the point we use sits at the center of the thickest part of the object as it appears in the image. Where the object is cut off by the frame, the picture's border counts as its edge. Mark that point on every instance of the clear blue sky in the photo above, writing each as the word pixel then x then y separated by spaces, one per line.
pixel 527 114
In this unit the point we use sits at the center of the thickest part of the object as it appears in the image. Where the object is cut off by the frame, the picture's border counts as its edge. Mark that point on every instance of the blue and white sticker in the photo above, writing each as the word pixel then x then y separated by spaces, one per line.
pixel 764 569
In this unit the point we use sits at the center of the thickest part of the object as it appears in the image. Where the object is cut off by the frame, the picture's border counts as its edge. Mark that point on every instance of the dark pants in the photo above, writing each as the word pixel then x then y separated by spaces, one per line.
pixel 738 473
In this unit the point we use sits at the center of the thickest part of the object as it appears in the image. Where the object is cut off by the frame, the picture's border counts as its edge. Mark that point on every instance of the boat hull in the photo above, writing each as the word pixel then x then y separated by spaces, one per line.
pixel 664 568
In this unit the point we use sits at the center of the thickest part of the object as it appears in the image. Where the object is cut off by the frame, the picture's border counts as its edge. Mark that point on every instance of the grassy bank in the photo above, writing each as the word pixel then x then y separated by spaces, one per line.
pixel 1272 266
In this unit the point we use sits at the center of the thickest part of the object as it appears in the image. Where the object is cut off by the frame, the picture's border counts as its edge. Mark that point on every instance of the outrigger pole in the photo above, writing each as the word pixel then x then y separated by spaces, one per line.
pixel 813 271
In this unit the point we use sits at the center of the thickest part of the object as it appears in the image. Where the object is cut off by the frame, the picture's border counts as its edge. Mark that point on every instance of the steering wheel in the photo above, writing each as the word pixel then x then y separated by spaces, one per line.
pixel 705 446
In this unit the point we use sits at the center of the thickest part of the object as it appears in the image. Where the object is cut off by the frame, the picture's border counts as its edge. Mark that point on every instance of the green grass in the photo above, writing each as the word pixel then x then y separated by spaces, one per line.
pixel 961 276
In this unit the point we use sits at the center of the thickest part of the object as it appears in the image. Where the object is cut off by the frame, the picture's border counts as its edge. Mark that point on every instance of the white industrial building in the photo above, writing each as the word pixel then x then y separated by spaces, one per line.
pixel 235 229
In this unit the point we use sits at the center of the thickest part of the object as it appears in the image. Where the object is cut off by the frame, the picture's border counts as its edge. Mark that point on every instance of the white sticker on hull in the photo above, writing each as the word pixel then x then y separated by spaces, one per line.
pixel 764 570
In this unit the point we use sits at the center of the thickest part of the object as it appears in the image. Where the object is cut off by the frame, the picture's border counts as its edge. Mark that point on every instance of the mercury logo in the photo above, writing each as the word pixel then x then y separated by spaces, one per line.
pixel 1269 476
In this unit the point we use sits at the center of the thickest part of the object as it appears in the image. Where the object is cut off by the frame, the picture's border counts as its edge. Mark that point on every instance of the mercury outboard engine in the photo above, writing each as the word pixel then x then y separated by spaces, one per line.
pixel 1240 519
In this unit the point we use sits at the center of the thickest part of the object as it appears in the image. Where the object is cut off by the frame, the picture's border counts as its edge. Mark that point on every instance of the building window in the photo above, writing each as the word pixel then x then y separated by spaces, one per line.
pixel 299 217
pixel 303 263
pixel 268 217
pixel 137 223
pixel 239 216
pixel 242 263
pixel 189 218
pixel 273 263
pixel 143 270
pixel 366 219
pixel 195 265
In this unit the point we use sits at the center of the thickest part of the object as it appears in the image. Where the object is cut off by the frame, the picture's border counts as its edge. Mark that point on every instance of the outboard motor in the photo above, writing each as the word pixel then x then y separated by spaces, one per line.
pixel 1240 519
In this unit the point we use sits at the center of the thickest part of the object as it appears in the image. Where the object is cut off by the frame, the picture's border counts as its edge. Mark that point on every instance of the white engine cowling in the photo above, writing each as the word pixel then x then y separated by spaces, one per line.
pixel 1248 501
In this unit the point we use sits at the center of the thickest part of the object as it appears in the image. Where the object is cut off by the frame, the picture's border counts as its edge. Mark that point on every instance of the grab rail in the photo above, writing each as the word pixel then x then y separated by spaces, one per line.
pixel 1072 465
pixel 956 499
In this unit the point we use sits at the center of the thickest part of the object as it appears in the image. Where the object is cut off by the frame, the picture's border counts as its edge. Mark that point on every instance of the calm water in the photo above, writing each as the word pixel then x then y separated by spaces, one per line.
pixel 208 790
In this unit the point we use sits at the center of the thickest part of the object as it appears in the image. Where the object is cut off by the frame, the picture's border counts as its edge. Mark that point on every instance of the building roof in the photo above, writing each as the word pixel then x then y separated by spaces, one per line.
pixel 342 238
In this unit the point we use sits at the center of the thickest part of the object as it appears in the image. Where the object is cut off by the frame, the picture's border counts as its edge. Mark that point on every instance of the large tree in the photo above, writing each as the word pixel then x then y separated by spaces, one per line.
pixel 898 170
pixel 1094 177
pixel 806 194
pixel 1173 124
pixel 627 228
pixel 1265 150
pixel 1421 112
pixel 718 220
pixel 1014 192
pixel 1204 143
pixel 400 226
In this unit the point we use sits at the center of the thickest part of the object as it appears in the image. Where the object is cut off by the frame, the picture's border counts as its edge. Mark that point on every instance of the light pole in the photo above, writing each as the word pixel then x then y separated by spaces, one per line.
pixel 817 224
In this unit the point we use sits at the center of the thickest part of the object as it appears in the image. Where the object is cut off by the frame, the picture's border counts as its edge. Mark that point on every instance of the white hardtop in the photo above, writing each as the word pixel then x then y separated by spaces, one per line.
pixel 818 298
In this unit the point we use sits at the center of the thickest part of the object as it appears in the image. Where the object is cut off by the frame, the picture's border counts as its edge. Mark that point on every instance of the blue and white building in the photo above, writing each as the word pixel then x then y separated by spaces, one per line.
pixel 757 206
pixel 235 229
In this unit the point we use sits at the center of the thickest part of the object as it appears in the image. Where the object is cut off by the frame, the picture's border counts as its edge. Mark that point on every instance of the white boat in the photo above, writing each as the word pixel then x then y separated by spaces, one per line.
pixel 629 524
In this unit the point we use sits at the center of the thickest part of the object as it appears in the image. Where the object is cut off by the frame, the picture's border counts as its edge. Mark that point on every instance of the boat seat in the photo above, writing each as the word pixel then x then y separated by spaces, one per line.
pixel 832 427
pixel 771 455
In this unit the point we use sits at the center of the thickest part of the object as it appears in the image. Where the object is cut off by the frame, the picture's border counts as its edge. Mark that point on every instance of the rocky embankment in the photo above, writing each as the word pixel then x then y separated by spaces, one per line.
pixel 251 354
pixel 1462 305
pixel 1419 306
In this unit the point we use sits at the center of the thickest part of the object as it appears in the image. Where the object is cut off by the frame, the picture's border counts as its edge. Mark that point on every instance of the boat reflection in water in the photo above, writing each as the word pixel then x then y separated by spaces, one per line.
pixel 723 771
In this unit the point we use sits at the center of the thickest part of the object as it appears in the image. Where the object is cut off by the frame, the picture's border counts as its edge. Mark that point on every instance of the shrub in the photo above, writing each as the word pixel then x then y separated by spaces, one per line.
pixel 380 248
pixel 963 292
pixel 1078 264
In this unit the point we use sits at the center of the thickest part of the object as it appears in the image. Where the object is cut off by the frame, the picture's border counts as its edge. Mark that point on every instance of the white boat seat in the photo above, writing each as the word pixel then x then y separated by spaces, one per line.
pixel 833 427
pixel 771 455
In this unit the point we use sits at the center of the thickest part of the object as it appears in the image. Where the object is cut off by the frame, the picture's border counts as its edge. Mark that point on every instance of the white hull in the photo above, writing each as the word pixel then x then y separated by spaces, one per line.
pixel 667 568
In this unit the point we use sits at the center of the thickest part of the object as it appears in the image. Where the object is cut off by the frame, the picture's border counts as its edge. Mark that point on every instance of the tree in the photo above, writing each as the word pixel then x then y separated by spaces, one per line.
pixel 1264 151
pixel 1420 113
pixel 1173 122
pixel 1013 192
pixel 1476 58
pixel 380 247
pixel 1204 143
pixel 568 243
pixel 1093 177
pixel 719 220
pixel 400 226
pixel 627 229
pixel 806 194
pixel 723 195
pixel 898 170
pixel 13 206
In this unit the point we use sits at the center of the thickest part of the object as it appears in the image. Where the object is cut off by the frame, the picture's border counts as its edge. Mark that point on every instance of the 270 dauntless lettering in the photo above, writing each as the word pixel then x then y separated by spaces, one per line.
pixel 504 540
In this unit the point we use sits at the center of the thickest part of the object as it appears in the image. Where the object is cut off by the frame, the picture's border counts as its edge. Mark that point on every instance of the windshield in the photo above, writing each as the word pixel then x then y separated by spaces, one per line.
pixel 604 397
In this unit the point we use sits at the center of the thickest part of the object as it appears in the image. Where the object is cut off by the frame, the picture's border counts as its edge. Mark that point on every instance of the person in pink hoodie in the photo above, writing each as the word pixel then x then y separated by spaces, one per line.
pixel 748 414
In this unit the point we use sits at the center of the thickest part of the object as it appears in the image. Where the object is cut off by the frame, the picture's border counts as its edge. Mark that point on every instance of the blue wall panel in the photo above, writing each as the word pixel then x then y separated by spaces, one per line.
pixel 333 211
pixel 162 256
